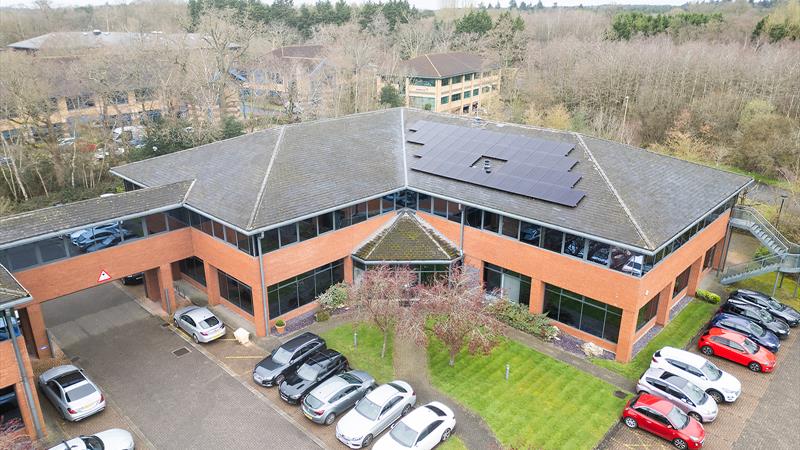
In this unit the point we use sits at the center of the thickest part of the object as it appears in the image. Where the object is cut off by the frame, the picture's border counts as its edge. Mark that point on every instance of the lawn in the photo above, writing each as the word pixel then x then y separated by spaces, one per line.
pixel 454 443
pixel 765 282
pixel 676 334
pixel 368 355
pixel 545 403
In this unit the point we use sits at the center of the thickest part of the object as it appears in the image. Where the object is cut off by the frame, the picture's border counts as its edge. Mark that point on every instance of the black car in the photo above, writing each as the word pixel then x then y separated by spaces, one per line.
pixel 285 359
pixel 739 324
pixel 772 306
pixel 758 315
pixel 136 278
pixel 318 367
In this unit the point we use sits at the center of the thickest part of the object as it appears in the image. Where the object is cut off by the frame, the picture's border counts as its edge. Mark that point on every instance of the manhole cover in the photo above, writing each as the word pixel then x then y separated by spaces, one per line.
pixel 180 352
pixel 620 394
pixel 75 359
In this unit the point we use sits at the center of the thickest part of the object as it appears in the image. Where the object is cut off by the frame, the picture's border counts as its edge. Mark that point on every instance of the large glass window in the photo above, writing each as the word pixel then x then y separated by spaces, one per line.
pixel 288 234
pixel 491 222
pixel 303 289
pixel 325 222
pixel 553 240
pixel 426 103
pixel 193 268
pixel 598 252
pixel 440 207
pixel 424 203
pixel 473 217
pixel 9 405
pixel 513 286
pixel 270 241
pixel 682 281
pixel 307 228
pixel 236 292
pixel 647 312
pixel 574 245
pixel 427 82
pixel 530 234
pixel 510 227
pixel 583 313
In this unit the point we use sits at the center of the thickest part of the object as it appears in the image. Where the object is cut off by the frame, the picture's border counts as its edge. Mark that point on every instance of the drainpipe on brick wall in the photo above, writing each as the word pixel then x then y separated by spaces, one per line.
pixel 26 385
pixel 463 214
pixel 263 287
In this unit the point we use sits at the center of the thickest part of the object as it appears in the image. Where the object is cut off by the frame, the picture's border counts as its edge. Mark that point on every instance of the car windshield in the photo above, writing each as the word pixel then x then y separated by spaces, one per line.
pixel 281 355
pixel 678 418
pixel 404 435
pixel 312 401
pixel 774 304
pixel 307 372
pixel 368 409
pixel 711 371
pixel 751 346
pixel 79 392
pixel 209 322
pixel 92 443
pixel 764 316
pixel 694 393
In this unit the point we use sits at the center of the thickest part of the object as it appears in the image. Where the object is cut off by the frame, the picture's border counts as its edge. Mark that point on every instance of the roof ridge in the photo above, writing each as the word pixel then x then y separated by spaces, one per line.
pixel 263 188
pixel 614 191
pixel 432 65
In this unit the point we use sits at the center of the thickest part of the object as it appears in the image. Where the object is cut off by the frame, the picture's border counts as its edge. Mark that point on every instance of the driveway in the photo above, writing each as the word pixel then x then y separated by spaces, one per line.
pixel 177 401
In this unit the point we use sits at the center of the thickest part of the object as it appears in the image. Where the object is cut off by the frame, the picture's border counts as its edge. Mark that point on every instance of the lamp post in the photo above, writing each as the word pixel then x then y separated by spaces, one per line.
pixel 780 209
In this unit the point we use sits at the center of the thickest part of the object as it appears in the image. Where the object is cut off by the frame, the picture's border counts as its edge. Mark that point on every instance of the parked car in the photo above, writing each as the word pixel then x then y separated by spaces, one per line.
pixel 113 439
pixel 4 335
pixel 738 348
pixel 320 366
pixel 717 383
pixel 685 395
pixel 660 417
pixel 422 429
pixel 374 413
pixel 272 370
pixel 756 315
pixel 200 323
pixel 743 326
pixel 336 395
pixel 78 237
pixel 772 306
pixel 71 392
pixel 136 278
pixel 104 239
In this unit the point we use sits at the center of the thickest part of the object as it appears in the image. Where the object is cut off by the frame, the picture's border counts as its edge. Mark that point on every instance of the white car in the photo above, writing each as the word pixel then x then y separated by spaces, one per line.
pixel 423 429
pixel 113 439
pixel 374 413
pixel 720 385
pixel 71 392
pixel 200 323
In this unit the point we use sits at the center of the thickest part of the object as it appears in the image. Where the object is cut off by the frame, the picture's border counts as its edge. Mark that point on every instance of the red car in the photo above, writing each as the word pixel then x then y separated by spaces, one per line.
pixel 662 418
pixel 737 348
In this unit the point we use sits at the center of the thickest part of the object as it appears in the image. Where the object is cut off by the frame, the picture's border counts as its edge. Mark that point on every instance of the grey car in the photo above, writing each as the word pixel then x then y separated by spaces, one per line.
pixel 336 395
pixel 71 392
pixel 200 323
pixel 682 393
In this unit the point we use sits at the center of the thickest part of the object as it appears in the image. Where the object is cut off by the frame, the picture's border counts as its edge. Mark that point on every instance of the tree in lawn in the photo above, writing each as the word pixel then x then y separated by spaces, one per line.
pixel 379 297
pixel 456 311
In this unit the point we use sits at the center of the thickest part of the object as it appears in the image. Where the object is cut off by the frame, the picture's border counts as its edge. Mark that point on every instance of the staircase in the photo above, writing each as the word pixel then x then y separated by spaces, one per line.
pixel 785 255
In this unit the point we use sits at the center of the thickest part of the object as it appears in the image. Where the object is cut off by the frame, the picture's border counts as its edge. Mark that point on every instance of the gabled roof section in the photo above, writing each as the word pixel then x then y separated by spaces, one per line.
pixel 61 218
pixel 76 40
pixel 407 238
pixel 440 65
pixel 10 289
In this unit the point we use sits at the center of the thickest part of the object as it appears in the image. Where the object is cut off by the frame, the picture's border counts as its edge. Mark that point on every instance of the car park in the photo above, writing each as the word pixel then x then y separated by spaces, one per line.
pixel 661 418
pixel 717 383
pixel 200 323
pixel 758 334
pixel 756 315
pixel 374 413
pixel 71 392
pixel 736 347
pixel 422 429
pixel 790 315
pixel 286 358
pixel 320 366
pixel 113 439
pixel 336 395
pixel 685 395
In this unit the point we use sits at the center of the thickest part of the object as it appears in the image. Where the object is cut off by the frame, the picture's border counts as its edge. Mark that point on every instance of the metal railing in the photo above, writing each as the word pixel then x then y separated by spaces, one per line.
pixel 747 269
pixel 757 222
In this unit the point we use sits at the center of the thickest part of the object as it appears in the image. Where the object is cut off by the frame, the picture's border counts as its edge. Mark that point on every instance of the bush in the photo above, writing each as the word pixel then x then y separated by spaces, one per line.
pixel 707 296
pixel 280 323
pixel 517 316
pixel 334 298
pixel 322 315
pixel 761 252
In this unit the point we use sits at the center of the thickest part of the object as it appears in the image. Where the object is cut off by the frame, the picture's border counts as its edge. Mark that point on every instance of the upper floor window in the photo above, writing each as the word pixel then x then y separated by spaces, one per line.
pixel 457 79
pixel 426 82
pixel 144 94
pixel 118 98
pixel 80 102
pixel 445 81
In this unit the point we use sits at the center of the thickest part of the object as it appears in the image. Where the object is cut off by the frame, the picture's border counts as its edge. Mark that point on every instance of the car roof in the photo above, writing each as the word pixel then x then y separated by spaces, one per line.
pixel 683 356
pixel 298 341
pixel 654 402
pixel 383 394
pixel 329 387
pixel 420 418
pixel 322 355
pixel 731 317
pixel 199 313
pixel 744 304
pixel 727 334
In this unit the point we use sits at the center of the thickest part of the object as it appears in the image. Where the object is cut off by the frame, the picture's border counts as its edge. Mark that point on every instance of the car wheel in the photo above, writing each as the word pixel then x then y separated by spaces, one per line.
pixel 695 416
pixel 195 339
pixel 406 410
pixel 331 417
pixel 367 440
pixel 630 422
pixel 754 366
pixel 716 396
pixel 679 443
pixel 708 351
pixel 279 379
pixel 446 435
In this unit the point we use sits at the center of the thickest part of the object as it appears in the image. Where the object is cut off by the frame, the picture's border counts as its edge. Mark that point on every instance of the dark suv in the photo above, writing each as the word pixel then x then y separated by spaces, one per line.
pixel 757 315
pixel 285 359
pixel 772 306
pixel 318 367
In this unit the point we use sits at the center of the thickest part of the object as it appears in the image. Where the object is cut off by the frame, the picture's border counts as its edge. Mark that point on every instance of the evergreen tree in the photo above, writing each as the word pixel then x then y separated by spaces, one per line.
pixel 474 22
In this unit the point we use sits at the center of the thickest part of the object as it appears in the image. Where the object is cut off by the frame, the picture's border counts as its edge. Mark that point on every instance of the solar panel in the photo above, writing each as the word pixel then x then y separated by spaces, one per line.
pixel 523 165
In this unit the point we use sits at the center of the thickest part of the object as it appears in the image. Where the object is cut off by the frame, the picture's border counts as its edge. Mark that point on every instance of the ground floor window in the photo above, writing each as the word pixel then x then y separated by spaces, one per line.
pixel 708 260
pixel 9 408
pixel 681 282
pixel 236 292
pixel 583 313
pixel 304 288
pixel 194 268
pixel 647 312
pixel 511 285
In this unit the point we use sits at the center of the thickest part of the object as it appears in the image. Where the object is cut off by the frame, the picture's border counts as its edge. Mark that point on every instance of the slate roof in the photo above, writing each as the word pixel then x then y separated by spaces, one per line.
pixel 439 65
pixel 76 215
pixel 299 51
pixel 10 289
pixel 76 40
pixel 633 196
pixel 407 238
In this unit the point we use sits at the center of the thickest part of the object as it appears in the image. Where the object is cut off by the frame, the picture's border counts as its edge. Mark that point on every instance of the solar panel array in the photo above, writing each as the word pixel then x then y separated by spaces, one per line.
pixel 536 168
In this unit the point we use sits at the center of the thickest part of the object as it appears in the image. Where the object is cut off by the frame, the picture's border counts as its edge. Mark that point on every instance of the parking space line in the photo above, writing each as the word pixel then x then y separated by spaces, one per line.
pixel 245 357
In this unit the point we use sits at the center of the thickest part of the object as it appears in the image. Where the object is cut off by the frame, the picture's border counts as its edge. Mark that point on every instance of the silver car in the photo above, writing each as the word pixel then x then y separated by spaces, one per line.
pixel 71 392
pixel 200 323
pixel 113 439
pixel 374 413
pixel 683 394
pixel 336 395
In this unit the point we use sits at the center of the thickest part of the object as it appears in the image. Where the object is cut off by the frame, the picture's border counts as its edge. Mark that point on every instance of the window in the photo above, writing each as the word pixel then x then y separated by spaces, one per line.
pixel 510 227
pixel 467 94
pixel 9 405
pixel 325 223
pixel 387 203
pixel 445 81
pixel 440 207
pixel 574 245
pixel 445 100
pixel 236 292
pixel 469 77
pixel 530 234
pixel 307 228
pixel 647 312
pixel 473 217
pixel 427 82
pixel 475 91
pixel 193 268
pixel 455 97
pixel 426 103
pixel 424 203
pixel 80 102
pixel 118 98
pixel 513 286
pixel 288 234
pixel 598 252
pixel 681 282
pixel 457 79
pixel 708 260
pixel 552 240
pixel 374 207
pixel 485 89
pixel 270 241
pixel 583 313
pixel 303 289
pixel 453 212
pixel 491 222
pixel 144 94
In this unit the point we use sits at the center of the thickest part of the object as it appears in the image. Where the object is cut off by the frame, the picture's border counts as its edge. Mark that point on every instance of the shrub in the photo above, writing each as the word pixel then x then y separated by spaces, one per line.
pixel 280 323
pixel 761 252
pixel 334 298
pixel 322 315
pixel 517 316
pixel 707 296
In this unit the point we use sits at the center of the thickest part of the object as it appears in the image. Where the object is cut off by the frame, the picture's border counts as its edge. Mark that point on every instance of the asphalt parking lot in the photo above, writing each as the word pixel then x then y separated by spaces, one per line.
pixel 765 416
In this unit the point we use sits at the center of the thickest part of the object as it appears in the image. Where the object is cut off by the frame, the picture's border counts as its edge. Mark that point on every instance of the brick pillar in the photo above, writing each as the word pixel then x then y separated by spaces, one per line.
pixel 152 288
pixel 165 284
pixel 627 334
pixel 694 276
pixel 39 330
pixel 348 270
pixel 537 296
pixel 258 310
pixel 718 253
pixel 664 298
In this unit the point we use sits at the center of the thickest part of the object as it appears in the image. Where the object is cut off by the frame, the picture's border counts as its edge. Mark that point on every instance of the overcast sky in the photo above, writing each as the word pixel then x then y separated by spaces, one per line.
pixel 422 4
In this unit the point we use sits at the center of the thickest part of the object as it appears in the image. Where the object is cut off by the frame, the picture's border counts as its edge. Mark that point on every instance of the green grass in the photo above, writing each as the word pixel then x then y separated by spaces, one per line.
pixel 545 403
pixel 454 443
pixel 676 334
pixel 368 355
pixel 765 282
